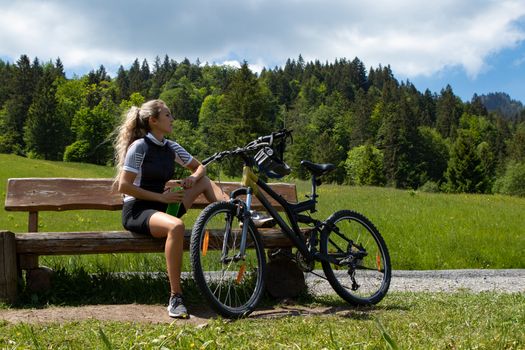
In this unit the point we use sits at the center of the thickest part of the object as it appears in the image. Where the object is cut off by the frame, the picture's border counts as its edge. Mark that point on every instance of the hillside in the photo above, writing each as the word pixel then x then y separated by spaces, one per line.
pixel 502 103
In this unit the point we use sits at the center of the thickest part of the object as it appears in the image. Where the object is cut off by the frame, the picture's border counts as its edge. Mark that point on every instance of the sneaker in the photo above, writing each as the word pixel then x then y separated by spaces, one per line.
pixel 176 308
pixel 262 220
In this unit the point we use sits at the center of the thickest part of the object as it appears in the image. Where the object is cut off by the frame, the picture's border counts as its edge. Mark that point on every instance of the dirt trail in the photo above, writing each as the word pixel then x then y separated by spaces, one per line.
pixel 504 281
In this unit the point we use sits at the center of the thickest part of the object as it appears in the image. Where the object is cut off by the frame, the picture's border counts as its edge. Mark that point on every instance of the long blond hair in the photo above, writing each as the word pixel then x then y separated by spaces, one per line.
pixel 135 125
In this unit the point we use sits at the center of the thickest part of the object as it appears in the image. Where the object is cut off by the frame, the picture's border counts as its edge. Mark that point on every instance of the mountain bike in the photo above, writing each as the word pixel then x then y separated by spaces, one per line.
pixel 227 251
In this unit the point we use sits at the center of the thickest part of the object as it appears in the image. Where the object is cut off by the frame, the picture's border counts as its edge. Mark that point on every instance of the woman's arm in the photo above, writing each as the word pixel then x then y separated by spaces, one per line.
pixel 198 171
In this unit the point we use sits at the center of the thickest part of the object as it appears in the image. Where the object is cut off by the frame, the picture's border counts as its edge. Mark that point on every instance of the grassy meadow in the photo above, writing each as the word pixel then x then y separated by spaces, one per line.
pixel 422 230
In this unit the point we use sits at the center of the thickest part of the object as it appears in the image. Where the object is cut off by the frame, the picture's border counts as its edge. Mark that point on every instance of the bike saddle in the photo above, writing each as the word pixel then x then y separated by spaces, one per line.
pixel 317 169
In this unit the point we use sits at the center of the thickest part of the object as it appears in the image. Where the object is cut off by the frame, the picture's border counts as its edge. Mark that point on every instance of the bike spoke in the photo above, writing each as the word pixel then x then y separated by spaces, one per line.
pixel 232 284
pixel 367 274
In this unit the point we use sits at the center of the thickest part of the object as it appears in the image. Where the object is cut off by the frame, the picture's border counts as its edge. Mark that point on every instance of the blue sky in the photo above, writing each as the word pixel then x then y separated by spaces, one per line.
pixel 504 72
pixel 476 46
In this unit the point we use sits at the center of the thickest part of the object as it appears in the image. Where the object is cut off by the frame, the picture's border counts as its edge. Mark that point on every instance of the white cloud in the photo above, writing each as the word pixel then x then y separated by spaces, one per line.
pixel 48 31
pixel 519 61
pixel 234 64
pixel 416 38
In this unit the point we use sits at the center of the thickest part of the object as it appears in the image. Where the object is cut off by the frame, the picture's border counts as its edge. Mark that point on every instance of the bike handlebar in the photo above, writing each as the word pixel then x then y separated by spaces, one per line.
pixel 254 145
pixel 273 136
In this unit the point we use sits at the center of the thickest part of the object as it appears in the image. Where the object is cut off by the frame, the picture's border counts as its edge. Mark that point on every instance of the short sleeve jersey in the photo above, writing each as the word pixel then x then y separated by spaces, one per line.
pixel 154 162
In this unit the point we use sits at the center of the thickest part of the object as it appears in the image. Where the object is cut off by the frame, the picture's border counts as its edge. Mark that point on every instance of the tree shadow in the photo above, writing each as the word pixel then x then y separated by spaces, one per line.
pixel 80 288
pixel 340 309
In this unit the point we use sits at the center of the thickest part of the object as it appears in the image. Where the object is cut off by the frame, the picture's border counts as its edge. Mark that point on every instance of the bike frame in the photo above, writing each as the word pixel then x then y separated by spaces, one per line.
pixel 252 185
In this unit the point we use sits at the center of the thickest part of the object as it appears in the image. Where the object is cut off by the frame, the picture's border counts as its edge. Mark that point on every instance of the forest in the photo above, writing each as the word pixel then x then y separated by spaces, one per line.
pixel 378 130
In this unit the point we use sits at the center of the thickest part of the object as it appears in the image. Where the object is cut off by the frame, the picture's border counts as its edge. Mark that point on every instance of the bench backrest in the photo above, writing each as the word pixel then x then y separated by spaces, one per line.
pixel 57 194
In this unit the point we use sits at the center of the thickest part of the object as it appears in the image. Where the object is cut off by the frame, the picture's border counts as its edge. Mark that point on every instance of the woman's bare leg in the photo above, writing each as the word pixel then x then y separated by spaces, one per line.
pixel 210 189
pixel 164 225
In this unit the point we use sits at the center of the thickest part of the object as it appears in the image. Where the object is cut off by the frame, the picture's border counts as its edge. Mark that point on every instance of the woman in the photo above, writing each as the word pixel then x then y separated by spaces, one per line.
pixel 145 163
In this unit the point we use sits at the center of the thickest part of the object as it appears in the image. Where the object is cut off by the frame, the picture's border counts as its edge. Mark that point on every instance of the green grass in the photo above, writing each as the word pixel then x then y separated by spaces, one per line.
pixel 439 231
pixel 422 230
pixel 401 321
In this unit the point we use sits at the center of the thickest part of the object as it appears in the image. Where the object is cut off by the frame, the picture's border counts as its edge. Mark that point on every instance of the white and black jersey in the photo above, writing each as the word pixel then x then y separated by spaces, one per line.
pixel 154 162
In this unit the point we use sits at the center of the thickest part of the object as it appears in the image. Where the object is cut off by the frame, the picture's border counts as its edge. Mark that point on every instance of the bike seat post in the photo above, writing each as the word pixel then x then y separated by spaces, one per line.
pixel 313 195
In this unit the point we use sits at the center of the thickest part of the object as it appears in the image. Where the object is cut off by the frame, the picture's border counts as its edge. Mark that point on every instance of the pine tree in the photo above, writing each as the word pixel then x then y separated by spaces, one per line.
pixel 6 78
pixel 145 77
pixel 362 128
pixel 44 130
pixel 432 153
pixel 157 78
pixel 248 109
pixel 98 76
pixel 122 83
pixel 326 150
pixel 516 145
pixel 448 113
pixel 398 140
pixel 427 107
pixel 135 77
pixel 465 170
pixel 59 68
pixel 24 81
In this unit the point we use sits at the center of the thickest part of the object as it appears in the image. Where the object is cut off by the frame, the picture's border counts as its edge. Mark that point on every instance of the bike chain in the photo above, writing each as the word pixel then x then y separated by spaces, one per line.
pixel 318 275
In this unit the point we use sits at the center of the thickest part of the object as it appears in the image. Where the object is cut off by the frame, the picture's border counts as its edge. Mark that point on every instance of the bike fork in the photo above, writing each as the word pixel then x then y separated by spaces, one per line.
pixel 245 215
pixel 245 222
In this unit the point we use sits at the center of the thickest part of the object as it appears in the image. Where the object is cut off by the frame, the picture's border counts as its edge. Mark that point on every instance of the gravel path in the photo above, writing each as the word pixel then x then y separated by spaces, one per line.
pixel 505 281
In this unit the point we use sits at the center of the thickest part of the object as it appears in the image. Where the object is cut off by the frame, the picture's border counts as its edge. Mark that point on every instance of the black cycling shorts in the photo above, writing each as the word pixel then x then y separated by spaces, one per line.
pixel 136 214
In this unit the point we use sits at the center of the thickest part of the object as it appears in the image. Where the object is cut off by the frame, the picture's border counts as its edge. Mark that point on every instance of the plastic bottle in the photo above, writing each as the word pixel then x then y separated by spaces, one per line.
pixel 173 208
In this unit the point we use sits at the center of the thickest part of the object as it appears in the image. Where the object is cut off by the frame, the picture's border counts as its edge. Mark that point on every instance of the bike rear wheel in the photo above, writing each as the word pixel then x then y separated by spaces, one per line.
pixel 359 267
pixel 233 285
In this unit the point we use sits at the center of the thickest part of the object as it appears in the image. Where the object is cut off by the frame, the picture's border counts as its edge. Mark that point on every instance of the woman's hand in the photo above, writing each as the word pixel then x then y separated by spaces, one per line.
pixel 188 182
pixel 174 196
pixel 197 172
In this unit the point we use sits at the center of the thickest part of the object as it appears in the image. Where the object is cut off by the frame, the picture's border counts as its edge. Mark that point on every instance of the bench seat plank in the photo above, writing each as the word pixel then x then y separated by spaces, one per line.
pixel 72 243
pixel 57 194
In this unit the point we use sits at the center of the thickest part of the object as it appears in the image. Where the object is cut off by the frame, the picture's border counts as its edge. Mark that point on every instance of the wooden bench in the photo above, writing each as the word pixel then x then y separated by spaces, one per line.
pixel 20 251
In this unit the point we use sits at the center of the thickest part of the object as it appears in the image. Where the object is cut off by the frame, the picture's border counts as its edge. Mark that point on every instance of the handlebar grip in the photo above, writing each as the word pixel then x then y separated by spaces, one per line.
pixel 274 135
pixel 208 160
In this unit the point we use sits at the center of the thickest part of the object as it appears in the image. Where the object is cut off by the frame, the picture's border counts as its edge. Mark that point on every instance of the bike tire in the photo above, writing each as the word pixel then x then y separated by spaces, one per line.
pixel 368 252
pixel 233 288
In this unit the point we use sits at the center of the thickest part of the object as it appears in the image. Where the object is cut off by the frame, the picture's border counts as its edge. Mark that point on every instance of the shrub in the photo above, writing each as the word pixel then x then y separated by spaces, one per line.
pixel 364 166
pixel 79 151
pixel 513 180
pixel 430 186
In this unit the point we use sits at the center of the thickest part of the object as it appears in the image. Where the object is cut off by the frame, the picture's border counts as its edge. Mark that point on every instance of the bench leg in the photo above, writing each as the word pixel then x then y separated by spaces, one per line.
pixel 8 270
pixel 284 279
pixel 38 278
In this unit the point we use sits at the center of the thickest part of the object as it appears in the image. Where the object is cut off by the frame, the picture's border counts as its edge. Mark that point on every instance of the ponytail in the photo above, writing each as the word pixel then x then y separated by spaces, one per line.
pixel 135 125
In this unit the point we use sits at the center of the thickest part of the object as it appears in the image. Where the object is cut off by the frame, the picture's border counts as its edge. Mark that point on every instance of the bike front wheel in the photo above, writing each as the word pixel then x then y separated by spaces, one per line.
pixel 231 283
pixel 358 266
